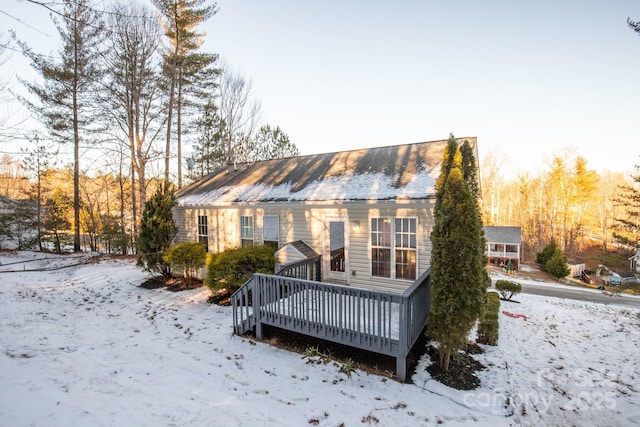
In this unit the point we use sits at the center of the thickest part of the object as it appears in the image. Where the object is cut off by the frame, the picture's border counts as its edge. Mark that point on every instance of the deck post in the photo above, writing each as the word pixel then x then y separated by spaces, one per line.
pixel 255 302
pixel 401 367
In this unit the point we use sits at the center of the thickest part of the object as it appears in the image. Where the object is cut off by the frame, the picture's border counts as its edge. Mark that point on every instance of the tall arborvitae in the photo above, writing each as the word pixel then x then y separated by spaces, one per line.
pixel 458 276
pixel 470 169
pixel 450 157
pixel 157 231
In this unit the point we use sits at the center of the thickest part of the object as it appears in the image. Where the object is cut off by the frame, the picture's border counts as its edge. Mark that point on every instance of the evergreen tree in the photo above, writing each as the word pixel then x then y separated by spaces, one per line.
pixel 470 169
pixel 209 153
pixel 458 276
pixel 557 265
pixel 547 252
pixel 157 231
pixel 55 219
pixel 627 226
pixel 65 97
pixel 182 63
pixel 451 157
pixel 271 143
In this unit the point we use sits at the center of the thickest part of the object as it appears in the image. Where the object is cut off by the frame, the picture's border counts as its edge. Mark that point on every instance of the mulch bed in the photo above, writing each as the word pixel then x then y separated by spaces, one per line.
pixel 174 284
pixel 367 361
pixel 462 368
pixel 221 297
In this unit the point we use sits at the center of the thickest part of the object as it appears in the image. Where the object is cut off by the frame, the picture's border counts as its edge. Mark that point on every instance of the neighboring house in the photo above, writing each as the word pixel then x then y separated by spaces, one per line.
pixel 367 212
pixel 634 262
pixel 503 245
pixel 576 268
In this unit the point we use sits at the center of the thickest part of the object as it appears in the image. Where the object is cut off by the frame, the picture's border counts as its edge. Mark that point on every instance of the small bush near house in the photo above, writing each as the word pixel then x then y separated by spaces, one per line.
pixel 232 268
pixel 188 257
pixel 488 326
pixel 508 288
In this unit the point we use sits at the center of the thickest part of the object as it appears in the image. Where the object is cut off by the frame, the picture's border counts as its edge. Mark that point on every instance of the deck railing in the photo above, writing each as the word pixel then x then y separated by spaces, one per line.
pixel 383 322
pixel 308 268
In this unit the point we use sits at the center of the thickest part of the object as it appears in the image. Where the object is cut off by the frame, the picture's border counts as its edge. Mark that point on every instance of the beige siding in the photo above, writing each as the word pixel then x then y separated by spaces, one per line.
pixel 308 222
pixel 286 255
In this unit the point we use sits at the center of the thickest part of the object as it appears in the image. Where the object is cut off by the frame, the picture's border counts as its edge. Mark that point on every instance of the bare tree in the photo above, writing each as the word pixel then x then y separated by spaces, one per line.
pixel 133 94
pixel 492 182
pixel 239 115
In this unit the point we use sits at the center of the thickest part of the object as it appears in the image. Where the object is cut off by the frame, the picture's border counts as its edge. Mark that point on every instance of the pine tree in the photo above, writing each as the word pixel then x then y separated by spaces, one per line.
pixel 627 226
pixel 182 63
pixel 55 220
pixel 157 231
pixel 458 276
pixel 65 97
pixel 547 252
pixel 557 265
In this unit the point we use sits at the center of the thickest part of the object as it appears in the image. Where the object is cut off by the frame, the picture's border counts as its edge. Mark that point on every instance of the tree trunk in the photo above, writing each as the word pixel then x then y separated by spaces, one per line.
pixel 76 176
pixel 179 128
pixel 167 154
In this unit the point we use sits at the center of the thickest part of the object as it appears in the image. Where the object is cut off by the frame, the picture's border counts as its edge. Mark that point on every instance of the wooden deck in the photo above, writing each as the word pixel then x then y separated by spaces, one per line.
pixel 383 322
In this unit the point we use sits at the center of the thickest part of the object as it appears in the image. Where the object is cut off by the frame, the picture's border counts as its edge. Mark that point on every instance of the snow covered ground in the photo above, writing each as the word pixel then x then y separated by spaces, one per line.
pixel 86 346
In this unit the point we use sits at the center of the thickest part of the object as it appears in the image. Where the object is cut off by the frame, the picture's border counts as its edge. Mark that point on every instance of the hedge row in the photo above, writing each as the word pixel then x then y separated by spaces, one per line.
pixel 488 326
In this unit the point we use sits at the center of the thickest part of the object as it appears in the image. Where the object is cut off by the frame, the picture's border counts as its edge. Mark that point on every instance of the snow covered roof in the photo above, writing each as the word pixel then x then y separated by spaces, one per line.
pixel 406 171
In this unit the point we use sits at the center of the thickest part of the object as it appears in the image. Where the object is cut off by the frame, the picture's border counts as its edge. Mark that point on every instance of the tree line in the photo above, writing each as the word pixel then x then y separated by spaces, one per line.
pixel 126 85
pixel 566 201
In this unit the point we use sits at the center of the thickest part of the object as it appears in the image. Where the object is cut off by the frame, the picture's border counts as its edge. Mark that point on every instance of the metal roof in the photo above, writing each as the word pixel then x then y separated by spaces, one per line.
pixel 382 173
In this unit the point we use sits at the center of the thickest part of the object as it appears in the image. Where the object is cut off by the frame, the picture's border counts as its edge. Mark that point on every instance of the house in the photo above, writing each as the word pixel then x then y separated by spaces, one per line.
pixel 367 212
pixel 634 262
pixel 503 245
pixel 576 268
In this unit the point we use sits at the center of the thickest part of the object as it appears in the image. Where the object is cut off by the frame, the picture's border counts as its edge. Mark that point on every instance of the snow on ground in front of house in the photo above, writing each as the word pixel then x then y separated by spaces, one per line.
pixel 87 346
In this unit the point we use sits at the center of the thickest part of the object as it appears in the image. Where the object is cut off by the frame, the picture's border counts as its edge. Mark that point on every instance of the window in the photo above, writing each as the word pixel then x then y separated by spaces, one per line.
pixel 203 231
pixel 246 231
pixel 406 248
pixel 381 247
pixel 270 231
pixel 496 247
pixel 394 258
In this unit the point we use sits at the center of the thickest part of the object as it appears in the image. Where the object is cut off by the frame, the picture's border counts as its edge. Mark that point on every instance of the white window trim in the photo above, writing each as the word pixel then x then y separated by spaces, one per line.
pixel 201 235
pixel 277 239
pixel 252 228
pixel 392 267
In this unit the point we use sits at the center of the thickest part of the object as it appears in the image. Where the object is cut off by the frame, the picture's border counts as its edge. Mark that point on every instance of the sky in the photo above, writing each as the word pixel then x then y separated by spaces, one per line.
pixel 529 79
pixel 86 345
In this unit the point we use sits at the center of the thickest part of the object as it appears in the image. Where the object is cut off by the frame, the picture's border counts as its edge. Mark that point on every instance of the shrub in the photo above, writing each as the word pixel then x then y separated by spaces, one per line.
pixel 546 253
pixel 557 265
pixel 508 288
pixel 488 326
pixel 232 268
pixel 187 256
